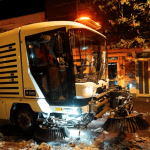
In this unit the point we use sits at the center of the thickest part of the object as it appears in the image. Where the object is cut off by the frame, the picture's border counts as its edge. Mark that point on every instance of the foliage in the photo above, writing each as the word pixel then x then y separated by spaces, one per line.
pixel 126 23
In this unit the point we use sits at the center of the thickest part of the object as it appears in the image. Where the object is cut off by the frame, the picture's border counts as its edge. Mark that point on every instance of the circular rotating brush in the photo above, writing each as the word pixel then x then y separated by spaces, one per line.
pixel 124 120
pixel 130 123
pixel 44 133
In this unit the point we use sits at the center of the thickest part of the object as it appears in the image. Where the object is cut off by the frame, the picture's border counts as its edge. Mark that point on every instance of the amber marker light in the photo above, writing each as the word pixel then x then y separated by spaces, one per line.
pixel 88 22
pixel 84 18
pixel 97 23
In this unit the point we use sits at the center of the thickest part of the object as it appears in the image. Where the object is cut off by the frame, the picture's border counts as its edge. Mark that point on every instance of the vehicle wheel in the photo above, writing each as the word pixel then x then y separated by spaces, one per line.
pixel 25 120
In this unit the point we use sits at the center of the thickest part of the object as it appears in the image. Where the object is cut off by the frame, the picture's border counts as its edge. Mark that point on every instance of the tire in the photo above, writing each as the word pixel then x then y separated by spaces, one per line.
pixel 25 120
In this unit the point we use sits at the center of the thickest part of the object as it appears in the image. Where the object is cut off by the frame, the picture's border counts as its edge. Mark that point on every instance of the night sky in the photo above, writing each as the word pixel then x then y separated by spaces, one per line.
pixel 15 8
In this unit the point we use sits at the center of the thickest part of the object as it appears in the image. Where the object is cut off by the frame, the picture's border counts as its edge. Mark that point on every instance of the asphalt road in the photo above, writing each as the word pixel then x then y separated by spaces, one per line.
pixel 89 135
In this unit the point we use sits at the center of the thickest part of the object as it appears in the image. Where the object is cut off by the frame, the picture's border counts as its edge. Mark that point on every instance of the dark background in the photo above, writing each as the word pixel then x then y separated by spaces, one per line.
pixel 15 8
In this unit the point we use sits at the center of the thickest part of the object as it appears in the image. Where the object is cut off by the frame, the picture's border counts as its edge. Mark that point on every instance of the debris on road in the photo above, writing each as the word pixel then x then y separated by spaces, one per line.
pixel 74 143
pixel 83 146
pixel 99 143
pixel 105 132
pixel 20 145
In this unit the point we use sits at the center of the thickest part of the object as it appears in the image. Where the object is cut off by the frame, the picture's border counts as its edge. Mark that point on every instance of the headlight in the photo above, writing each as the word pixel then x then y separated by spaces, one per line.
pixel 130 85
pixel 89 90
pixel 77 111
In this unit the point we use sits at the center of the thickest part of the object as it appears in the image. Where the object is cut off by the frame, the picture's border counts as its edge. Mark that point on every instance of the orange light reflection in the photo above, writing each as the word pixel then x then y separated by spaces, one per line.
pixel 84 18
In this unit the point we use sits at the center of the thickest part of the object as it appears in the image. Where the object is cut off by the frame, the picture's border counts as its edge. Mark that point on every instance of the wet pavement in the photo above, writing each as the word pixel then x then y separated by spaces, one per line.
pixel 142 106
pixel 94 134
pixel 108 140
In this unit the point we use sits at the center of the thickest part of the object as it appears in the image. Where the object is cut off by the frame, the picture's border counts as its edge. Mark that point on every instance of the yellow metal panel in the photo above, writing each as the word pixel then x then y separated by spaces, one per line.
pixel 8 41
pixel 8 64
pixel 7 53
pixel 9 90
pixel 8 85
pixel 8 80
pixel 8 74
pixel 3 109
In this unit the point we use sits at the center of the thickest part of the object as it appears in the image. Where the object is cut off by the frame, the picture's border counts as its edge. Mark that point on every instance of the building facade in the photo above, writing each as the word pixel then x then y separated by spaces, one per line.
pixel 130 68
pixel 68 10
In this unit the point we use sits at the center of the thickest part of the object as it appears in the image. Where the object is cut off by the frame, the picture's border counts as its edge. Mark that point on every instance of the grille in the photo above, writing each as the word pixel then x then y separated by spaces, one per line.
pixel 9 83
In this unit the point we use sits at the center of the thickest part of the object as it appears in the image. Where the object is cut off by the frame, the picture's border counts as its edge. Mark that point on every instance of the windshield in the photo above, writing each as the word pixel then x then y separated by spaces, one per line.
pixel 89 55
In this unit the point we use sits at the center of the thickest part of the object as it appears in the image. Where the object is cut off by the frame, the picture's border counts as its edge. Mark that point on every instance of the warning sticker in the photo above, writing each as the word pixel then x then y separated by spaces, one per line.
pixel 58 109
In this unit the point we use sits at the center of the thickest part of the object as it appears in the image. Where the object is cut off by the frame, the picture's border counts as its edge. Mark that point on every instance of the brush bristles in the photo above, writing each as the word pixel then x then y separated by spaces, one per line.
pixel 50 134
pixel 128 124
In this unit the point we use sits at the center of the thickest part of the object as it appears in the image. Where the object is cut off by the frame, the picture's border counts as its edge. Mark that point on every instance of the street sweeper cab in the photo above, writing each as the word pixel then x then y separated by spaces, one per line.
pixel 52 70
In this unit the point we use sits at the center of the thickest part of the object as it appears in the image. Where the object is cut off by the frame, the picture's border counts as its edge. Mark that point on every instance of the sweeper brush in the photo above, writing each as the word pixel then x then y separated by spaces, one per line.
pixel 50 131
pixel 123 119
pixel 51 134
pixel 129 124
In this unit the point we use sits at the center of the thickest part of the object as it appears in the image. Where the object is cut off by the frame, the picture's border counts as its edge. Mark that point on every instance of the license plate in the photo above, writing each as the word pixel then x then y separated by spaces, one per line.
pixel 58 109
